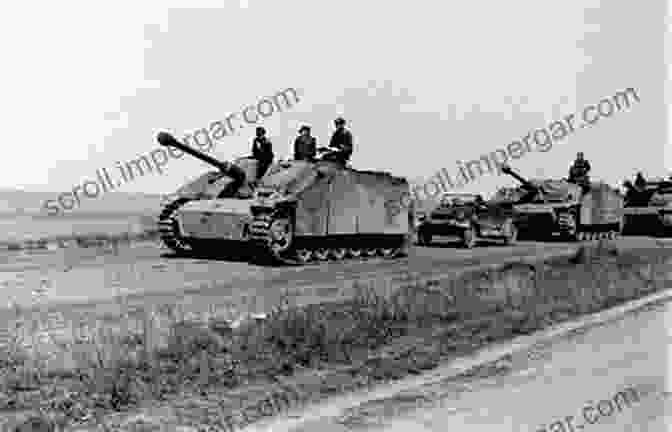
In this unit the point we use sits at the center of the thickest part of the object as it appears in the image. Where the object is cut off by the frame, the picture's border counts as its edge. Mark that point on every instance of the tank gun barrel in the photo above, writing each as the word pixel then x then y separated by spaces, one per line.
pixel 523 181
pixel 167 140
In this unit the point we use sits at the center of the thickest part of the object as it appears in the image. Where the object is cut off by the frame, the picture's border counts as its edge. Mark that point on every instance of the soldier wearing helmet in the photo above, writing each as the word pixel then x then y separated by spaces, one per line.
pixel 305 145
pixel 340 145
pixel 262 151
pixel 578 172
pixel 640 181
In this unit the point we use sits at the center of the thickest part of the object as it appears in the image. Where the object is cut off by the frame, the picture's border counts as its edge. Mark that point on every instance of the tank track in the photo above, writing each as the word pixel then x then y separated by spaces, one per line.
pixel 325 249
pixel 568 226
pixel 588 235
pixel 168 230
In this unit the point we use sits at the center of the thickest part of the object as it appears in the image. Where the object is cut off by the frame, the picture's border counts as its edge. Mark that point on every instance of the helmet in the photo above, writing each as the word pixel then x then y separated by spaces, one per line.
pixel 339 121
pixel 261 130
pixel 304 128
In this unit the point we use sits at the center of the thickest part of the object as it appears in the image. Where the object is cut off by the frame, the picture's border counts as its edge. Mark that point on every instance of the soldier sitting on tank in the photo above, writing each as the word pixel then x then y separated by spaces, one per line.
pixel 262 151
pixel 578 173
pixel 340 146
pixel 305 145
pixel 640 181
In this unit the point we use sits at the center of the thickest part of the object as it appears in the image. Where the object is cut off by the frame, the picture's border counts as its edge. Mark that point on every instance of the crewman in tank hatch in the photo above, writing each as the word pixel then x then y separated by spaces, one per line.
pixel 262 151
pixel 341 146
pixel 305 145
pixel 578 172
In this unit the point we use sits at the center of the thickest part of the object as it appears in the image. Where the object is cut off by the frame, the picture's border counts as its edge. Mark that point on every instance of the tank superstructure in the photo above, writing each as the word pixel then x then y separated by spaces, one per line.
pixel 317 211
pixel 573 211
pixel 648 206
pixel 214 206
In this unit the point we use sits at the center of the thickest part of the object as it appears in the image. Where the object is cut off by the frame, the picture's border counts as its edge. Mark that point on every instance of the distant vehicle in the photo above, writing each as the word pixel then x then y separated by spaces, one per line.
pixel 547 207
pixel 470 218
pixel 648 208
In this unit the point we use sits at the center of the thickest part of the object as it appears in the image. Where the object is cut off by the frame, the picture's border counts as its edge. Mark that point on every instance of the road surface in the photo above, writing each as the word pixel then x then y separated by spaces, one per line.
pixel 609 378
pixel 79 275
pixel 69 277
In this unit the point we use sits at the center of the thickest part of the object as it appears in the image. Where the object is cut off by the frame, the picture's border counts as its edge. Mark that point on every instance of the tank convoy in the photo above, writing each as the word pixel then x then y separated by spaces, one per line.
pixel 299 212
pixel 320 209
pixel 560 207
pixel 648 206
pixel 214 206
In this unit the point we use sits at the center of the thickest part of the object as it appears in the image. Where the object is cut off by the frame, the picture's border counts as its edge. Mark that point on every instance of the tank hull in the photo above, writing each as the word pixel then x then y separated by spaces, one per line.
pixel 218 219
pixel 647 220
pixel 339 213
pixel 597 214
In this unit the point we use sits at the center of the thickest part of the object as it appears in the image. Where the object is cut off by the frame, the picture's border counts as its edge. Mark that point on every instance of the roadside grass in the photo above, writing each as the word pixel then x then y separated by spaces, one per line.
pixel 376 336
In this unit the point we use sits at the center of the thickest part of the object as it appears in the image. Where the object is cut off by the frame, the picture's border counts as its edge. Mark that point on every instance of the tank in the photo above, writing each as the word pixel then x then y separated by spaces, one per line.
pixel 307 212
pixel 648 207
pixel 213 207
pixel 559 207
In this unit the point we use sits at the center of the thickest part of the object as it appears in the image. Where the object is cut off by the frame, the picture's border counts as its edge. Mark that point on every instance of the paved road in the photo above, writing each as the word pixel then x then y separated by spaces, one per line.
pixel 576 381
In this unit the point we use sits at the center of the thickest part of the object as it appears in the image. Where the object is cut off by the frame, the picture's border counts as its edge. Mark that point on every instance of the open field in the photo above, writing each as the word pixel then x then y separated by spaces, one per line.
pixel 17 230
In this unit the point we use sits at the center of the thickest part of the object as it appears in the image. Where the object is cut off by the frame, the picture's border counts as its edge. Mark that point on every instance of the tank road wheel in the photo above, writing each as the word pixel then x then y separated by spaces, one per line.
pixel 304 256
pixel 355 252
pixel 321 254
pixel 388 252
pixel 511 233
pixel 339 253
pixel 281 236
pixel 168 227
pixel 369 252
pixel 469 237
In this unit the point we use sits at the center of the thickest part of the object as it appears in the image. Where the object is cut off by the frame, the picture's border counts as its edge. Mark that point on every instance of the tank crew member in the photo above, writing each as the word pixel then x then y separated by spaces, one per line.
pixel 640 181
pixel 262 151
pixel 340 145
pixel 305 145
pixel 579 170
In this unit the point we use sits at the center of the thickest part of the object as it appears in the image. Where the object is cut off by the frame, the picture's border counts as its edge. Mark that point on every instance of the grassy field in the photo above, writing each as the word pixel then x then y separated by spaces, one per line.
pixel 225 376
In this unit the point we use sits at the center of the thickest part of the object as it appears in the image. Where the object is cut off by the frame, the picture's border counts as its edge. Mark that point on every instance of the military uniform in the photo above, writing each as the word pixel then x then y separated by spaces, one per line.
pixel 305 148
pixel 262 151
pixel 579 170
pixel 341 142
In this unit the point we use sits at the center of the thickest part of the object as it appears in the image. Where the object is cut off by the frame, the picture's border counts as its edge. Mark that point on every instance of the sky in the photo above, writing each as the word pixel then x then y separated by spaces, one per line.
pixel 422 84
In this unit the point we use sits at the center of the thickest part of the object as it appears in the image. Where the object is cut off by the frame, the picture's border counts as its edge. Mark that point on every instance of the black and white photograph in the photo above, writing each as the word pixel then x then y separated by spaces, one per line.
pixel 335 216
